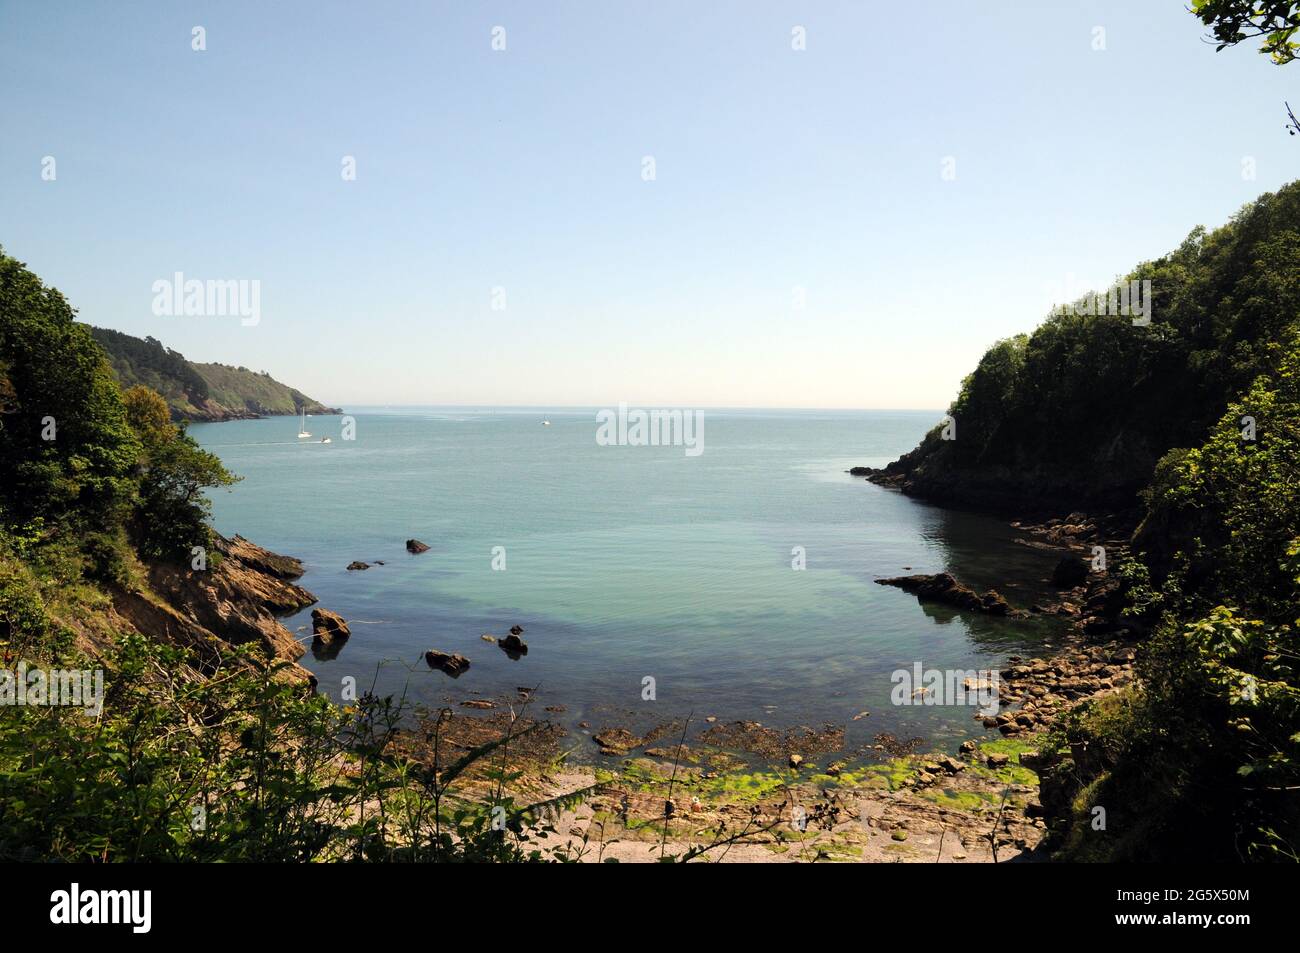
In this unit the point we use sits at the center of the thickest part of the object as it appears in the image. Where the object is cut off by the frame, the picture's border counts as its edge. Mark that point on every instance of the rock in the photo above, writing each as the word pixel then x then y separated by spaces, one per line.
pixel 356 565
pixel 234 602
pixel 998 760
pixel 488 638
pixel 263 560
pixel 1100 625
pixel 513 646
pixel 670 754
pixel 615 740
pixel 328 626
pixel 859 471
pixel 951 764
pixel 834 768
pixel 994 604
pixel 516 630
pixel 899 835
pixel 480 703
pixel 968 746
pixel 415 546
pixel 1071 571
pixel 453 665
pixel 942 587
pixel 795 761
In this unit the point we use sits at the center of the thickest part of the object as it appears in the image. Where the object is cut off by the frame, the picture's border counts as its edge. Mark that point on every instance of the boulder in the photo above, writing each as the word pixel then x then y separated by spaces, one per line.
pixel 513 646
pixel 1071 571
pixel 415 546
pixel 328 626
pixel 516 630
pixel 451 664
pixel 357 565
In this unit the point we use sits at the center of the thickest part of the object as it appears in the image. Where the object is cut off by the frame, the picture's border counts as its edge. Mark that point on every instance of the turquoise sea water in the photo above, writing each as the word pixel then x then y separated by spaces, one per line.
pixel 624 562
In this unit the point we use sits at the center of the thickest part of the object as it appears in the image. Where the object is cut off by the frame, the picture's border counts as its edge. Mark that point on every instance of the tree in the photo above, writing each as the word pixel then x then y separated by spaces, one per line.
pixel 66 451
pixel 1234 21
pixel 173 471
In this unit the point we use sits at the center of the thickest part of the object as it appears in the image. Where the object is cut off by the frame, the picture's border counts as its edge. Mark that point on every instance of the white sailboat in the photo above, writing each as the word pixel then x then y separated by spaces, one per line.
pixel 302 427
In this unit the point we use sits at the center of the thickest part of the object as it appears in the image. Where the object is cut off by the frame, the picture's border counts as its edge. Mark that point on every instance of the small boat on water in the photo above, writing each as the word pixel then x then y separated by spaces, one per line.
pixel 302 427
pixel 326 440
pixel 546 423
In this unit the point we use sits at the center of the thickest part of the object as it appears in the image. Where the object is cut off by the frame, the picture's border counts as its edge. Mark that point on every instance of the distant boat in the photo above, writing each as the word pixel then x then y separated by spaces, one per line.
pixel 546 423
pixel 302 427
pixel 326 440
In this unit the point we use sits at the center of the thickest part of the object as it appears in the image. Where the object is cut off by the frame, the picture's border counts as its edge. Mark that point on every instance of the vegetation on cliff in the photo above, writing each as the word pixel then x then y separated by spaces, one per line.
pixel 200 391
pixel 1082 409
pixel 1194 422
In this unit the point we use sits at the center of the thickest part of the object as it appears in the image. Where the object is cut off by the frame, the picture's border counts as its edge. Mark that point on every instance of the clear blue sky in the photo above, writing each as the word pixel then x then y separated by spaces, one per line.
pixel 522 169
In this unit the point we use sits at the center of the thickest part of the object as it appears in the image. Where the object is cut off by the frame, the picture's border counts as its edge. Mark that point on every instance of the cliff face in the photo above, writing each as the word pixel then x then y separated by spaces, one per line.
pixel 234 602
pixel 1029 488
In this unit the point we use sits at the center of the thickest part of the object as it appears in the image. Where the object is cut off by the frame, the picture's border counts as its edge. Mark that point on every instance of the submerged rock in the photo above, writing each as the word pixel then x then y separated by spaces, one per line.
pixel 615 740
pixel 356 565
pixel 415 546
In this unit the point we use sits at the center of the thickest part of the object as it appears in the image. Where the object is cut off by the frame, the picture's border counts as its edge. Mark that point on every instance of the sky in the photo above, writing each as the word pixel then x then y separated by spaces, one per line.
pixel 846 225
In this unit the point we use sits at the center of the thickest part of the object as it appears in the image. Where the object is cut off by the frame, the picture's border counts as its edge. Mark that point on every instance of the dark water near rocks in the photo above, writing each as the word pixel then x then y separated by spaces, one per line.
pixel 628 562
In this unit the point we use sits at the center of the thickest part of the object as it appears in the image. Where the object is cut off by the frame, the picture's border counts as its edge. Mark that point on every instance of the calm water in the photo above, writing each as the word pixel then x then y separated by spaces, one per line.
pixel 626 562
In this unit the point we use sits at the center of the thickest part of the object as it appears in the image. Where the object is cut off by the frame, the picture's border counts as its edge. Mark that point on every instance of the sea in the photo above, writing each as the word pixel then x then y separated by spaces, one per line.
pixel 731 581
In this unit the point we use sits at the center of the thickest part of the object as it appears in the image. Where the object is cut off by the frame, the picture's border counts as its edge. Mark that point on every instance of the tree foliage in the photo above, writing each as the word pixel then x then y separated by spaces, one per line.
pixel 1273 22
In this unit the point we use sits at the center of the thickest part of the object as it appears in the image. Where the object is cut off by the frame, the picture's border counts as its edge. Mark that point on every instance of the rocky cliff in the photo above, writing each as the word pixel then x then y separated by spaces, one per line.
pixel 235 601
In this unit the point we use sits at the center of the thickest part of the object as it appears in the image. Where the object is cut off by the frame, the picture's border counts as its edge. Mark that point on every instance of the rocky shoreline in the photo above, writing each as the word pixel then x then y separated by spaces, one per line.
pixel 237 599
pixel 757 792
pixel 210 412
pixel 764 794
